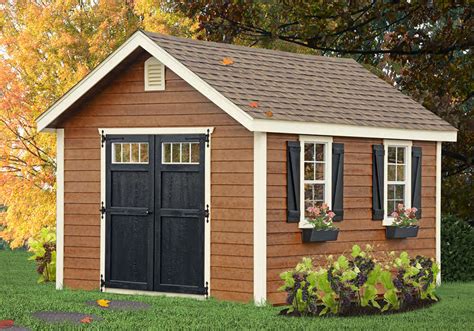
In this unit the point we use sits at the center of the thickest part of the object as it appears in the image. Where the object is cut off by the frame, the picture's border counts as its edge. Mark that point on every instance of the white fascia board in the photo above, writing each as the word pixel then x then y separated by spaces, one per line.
pixel 343 130
pixel 139 39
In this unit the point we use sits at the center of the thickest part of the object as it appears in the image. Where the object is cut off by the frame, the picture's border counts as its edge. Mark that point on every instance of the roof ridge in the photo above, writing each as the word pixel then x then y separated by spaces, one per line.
pixel 275 52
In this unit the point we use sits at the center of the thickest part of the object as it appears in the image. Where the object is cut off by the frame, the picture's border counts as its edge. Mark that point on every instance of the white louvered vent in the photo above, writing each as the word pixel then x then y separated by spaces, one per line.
pixel 154 75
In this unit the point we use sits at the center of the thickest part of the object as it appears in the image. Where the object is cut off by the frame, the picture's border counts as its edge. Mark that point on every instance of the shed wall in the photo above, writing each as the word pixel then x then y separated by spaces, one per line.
pixel 285 247
pixel 123 103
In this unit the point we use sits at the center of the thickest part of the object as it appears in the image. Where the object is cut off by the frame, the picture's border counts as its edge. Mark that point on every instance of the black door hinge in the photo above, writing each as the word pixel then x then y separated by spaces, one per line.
pixel 103 138
pixel 102 283
pixel 206 290
pixel 207 213
pixel 102 210
pixel 207 137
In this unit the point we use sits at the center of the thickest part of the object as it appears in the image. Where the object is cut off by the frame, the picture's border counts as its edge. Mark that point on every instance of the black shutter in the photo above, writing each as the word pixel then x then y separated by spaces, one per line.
pixel 338 181
pixel 293 180
pixel 377 182
pixel 416 180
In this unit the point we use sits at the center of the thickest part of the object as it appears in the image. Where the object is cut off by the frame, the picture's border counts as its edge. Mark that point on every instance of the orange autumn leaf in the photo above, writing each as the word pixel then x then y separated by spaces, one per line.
pixel 5 324
pixel 86 320
pixel 103 303
pixel 227 61
pixel 253 104
pixel 269 113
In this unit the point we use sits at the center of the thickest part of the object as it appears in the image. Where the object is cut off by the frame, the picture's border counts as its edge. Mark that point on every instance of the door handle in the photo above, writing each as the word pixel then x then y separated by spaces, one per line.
pixel 148 212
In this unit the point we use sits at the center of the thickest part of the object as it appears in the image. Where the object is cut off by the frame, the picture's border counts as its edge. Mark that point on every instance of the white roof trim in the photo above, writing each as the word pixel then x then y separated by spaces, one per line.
pixel 343 130
pixel 139 39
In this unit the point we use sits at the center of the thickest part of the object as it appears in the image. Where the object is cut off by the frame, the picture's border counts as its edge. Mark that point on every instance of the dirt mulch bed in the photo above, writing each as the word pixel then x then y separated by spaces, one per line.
pixel 58 317
pixel 356 310
pixel 121 305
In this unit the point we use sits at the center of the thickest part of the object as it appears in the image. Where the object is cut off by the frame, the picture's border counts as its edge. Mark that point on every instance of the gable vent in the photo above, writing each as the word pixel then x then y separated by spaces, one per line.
pixel 154 75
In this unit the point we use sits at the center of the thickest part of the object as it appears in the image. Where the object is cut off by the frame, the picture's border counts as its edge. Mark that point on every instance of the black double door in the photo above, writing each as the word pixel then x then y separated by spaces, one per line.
pixel 154 213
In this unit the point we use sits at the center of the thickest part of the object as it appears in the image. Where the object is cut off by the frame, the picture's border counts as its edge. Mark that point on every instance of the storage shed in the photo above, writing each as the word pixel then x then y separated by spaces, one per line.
pixel 185 167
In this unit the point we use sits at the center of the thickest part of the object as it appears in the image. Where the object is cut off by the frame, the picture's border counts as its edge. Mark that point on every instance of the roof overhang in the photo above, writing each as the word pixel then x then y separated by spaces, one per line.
pixel 141 40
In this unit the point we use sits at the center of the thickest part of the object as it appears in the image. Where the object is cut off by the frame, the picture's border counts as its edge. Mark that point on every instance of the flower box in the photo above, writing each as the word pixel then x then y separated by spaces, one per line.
pixel 313 235
pixel 400 232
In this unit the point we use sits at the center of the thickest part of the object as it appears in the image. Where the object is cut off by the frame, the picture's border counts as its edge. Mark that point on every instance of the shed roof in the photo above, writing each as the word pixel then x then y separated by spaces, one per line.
pixel 275 91
pixel 299 87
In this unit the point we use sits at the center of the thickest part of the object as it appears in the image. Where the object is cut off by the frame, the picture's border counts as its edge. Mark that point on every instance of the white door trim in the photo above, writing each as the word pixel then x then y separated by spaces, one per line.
pixel 207 195
pixel 59 209
pixel 260 218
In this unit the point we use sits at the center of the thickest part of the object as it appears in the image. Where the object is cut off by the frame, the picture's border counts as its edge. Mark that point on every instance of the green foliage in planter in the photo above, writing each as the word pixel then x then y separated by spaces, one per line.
pixel 43 248
pixel 457 253
pixel 352 281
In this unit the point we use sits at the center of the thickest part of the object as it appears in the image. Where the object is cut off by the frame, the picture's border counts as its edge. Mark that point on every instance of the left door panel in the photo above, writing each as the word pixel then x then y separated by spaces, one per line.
pixel 129 212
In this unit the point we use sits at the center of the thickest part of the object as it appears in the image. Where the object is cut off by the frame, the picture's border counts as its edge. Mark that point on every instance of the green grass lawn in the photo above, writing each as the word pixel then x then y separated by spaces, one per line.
pixel 20 296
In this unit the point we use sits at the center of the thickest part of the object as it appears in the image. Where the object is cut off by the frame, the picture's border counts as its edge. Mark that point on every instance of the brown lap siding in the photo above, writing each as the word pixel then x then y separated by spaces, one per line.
pixel 285 248
pixel 124 104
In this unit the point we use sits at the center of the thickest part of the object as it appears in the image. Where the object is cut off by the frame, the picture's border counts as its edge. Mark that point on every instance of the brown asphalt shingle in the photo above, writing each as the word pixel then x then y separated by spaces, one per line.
pixel 298 87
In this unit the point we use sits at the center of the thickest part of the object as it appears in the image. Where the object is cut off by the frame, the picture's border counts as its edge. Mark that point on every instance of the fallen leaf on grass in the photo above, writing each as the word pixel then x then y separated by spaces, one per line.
pixel 253 104
pixel 227 61
pixel 86 320
pixel 4 324
pixel 103 303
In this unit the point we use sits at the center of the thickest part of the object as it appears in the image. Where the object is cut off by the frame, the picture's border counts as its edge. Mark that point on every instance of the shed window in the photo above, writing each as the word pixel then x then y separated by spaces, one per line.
pixel 316 172
pixel 180 153
pixel 397 177
pixel 131 153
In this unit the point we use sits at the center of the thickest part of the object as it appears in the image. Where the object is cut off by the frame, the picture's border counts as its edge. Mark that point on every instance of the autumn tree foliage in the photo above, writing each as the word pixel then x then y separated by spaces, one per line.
pixel 422 47
pixel 45 48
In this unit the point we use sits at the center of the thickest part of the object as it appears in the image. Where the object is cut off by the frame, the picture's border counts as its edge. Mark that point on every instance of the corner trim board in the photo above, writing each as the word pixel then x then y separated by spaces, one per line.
pixel 438 208
pixel 59 209
pixel 260 218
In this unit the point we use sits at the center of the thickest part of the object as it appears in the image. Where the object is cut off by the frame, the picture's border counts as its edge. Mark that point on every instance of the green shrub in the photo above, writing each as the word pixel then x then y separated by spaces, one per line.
pixel 457 249
pixel 44 253
pixel 349 282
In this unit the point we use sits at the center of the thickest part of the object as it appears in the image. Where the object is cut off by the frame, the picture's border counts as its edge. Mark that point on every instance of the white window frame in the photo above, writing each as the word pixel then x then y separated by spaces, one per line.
pixel 388 220
pixel 327 142
pixel 180 153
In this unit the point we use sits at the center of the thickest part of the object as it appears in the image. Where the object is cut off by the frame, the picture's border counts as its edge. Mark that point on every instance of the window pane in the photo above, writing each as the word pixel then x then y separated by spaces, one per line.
pixel 144 153
pixel 319 152
pixel 392 157
pixel 117 157
pixel 185 157
pixel 195 152
pixel 320 171
pixel 175 152
pixel 400 172
pixel 399 192
pixel 391 173
pixel 135 149
pixel 167 153
pixel 391 207
pixel 319 192
pixel 308 192
pixel 309 152
pixel 401 155
pixel 308 171
pixel 126 153
pixel 391 192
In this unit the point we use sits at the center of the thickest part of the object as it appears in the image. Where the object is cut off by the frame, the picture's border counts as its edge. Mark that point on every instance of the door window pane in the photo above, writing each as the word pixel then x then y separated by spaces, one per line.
pixel 180 153
pixel 130 153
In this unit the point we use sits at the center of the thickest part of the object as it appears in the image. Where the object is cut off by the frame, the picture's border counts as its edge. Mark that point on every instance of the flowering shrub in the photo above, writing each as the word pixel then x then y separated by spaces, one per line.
pixel 44 253
pixel 404 216
pixel 321 217
pixel 349 283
